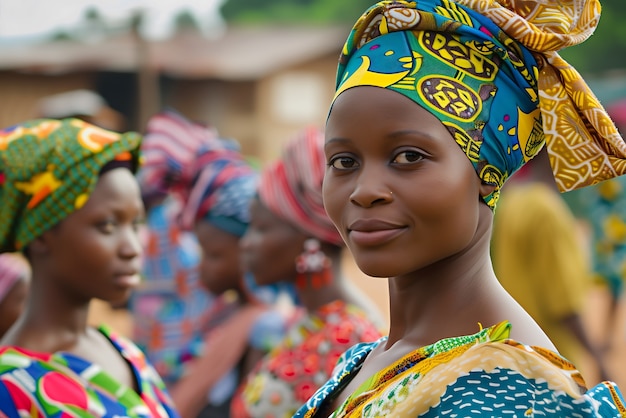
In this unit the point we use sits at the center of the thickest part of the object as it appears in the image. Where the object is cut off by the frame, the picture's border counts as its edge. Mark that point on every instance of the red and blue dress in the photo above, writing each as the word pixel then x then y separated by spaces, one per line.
pixel 64 385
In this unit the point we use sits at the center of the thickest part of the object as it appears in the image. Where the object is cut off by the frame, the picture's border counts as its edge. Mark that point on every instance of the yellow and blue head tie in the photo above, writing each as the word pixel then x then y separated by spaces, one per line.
pixel 501 93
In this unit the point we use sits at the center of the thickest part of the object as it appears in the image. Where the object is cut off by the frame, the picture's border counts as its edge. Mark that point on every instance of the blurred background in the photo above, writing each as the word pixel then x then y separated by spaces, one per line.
pixel 258 71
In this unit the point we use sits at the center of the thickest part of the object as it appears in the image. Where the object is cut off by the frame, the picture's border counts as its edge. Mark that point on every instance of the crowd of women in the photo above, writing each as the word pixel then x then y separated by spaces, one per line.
pixel 233 272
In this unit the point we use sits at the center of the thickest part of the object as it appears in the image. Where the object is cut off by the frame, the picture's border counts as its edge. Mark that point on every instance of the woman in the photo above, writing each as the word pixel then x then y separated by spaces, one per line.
pixel 170 309
pixel 70 203
pixel 215 184
pixel 436 106
pixel 291 239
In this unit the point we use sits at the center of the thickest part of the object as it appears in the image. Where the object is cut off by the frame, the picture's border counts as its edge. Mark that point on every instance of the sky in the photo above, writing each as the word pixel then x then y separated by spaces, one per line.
pixel 31 20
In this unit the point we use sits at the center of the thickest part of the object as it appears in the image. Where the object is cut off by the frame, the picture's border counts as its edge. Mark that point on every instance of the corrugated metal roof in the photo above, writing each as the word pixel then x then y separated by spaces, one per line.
pixel 239 54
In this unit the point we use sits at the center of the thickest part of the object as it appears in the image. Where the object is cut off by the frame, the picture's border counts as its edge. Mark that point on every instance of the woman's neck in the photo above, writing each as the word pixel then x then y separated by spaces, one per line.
pixel 49 323
pixel 448 298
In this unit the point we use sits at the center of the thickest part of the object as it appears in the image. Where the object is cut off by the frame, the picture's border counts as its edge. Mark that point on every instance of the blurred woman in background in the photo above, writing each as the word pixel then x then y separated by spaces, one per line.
pixel 291 239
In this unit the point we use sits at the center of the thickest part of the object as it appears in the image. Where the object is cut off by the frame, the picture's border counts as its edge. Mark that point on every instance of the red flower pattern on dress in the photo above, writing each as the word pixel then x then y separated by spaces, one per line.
pixel 293 370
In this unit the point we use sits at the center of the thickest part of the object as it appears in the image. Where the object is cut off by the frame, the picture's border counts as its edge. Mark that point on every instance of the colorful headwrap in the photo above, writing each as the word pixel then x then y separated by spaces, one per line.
pixel 208 173
pixel 169 148
pixel 292 186
pixel 222 188
pixel 48 169
pixel 489 70
pixel 13 268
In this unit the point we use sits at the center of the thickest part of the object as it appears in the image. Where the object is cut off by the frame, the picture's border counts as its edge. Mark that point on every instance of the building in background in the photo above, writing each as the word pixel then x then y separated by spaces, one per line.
pixel 259 84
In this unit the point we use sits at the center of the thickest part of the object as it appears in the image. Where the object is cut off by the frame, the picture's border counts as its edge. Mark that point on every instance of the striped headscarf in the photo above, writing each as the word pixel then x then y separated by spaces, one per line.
pixel 208 173
pixel 169 148
pixel 223 185
pixel 490 72
pixel 291 187
pixel 48 169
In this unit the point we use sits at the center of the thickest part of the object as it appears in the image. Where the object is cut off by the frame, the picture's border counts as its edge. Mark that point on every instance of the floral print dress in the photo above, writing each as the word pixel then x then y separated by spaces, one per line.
pixel 302 362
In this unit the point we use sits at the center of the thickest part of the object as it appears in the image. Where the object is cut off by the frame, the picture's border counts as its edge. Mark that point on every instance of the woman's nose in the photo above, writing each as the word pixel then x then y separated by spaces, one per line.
pixel 371 189
pixel 130 245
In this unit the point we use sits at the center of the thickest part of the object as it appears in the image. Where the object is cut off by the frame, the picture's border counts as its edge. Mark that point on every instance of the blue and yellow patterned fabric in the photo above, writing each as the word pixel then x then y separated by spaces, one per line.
pixel 502 94
pixel 479 375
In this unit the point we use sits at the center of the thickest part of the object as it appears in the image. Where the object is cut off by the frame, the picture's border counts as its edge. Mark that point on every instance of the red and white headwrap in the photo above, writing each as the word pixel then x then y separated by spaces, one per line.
pixel 168 150
pixel 292 186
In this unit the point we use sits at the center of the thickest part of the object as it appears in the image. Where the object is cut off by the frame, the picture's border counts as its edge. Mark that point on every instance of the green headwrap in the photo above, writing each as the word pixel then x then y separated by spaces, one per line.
pixel 48 169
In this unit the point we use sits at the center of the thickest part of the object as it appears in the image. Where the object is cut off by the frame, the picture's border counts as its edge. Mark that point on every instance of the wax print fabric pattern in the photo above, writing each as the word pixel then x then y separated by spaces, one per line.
pixel 48 169
pixel 171 311
pixel 485 374
pixel 501 93
pixel 302 362
pixel 64 385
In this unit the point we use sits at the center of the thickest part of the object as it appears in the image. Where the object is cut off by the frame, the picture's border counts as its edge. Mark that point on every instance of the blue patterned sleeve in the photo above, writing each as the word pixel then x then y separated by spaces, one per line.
pixel 7 407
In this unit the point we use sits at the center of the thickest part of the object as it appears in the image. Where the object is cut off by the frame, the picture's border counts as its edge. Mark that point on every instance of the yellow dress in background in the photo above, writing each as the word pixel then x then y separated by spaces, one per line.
pixel 539 257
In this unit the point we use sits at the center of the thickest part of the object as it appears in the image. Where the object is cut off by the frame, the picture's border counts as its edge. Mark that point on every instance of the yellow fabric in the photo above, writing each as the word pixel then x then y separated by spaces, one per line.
pixel 540 259
pixel 584 145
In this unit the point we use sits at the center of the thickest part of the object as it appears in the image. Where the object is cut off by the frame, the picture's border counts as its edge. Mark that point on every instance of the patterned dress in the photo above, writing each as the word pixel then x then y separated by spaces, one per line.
pixel 171 312
pixel 63 385
pixel 292 371
pixel 485 374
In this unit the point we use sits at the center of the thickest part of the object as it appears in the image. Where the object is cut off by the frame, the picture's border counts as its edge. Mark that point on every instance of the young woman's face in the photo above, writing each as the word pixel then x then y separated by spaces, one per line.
pixel 220 269
pixel 95 251
pixel 399 189
pixel 270 246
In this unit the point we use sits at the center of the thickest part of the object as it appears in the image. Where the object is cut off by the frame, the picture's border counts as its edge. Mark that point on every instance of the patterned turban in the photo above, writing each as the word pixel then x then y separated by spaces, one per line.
pixel 169 149
pixel 292 186
pixel 490 72
pixel 48 169
pixel 222 188
pixel 208 173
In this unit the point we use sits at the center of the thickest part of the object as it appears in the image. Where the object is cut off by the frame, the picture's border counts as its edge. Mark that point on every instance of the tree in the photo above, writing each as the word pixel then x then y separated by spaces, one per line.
pixel 604 51
pixel 293 11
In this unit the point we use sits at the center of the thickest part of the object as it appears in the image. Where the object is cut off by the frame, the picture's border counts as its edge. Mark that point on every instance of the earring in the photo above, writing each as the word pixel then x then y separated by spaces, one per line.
pixel 312 266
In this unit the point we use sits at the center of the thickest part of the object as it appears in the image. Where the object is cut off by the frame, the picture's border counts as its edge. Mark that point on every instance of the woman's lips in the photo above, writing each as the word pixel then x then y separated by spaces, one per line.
pixel 128 280
pixel 371 232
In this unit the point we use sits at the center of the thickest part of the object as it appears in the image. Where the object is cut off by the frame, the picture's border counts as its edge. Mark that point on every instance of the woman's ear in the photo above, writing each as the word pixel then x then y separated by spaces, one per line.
pixel 486 189
pixel 39 246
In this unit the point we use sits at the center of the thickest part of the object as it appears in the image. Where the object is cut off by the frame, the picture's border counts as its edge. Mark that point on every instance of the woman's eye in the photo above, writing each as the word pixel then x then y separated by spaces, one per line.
pixel 107 226
pixel 343 163
pixel 407 157
pixel 138 223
